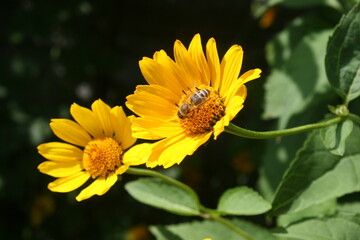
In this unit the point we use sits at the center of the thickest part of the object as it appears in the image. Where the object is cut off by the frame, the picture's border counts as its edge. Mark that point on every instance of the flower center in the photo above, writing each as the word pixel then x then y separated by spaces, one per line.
pixel 200 109
pixel 102 156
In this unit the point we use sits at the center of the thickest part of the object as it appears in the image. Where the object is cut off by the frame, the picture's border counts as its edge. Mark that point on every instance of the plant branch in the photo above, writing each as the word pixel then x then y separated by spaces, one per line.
pixel 354 117
pixel 231 226
pixel 241 132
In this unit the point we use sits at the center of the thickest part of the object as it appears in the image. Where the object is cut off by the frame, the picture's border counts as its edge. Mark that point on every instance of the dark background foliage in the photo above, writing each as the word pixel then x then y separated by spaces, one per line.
pixel 54 53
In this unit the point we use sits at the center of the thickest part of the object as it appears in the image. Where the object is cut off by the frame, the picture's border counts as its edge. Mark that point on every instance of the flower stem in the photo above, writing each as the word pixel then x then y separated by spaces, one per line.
pixel 354 117
pixel 241 132
pixel 151 173
pixel 216 217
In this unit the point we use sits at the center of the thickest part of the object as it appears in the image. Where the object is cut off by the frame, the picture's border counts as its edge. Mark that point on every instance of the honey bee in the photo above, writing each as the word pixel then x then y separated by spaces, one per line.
pixel 199 97
pixel 196 100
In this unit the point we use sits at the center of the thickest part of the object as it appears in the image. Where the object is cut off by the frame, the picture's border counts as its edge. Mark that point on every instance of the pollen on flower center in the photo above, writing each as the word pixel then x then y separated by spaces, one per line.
pixel 102 156
pixel 199 110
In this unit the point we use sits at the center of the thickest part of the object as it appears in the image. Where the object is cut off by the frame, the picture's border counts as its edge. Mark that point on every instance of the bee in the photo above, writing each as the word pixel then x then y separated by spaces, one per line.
pixel 184 110
pixel 196 100
pixel 199 97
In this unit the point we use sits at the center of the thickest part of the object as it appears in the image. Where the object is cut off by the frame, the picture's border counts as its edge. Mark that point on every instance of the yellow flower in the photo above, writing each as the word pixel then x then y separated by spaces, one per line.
pixel 95 148
pixel 187 100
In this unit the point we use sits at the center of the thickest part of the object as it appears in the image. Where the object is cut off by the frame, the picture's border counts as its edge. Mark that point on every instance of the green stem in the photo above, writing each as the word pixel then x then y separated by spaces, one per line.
pixel 231 226
pixel 354 117
pixel 241 132
pixel 151 173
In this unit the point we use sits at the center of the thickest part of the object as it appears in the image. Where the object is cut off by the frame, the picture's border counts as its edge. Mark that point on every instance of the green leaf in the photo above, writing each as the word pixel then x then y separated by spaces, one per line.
pixel 326 229
pixel 323 209
pixel 316 175
pixel 160 194
pixel 341 180
pixel 351 207
pixel 296 59
pixel 334 137
pixel 242 201
pixel 348 4
pixel 350 211
pixel 343 56
pixel 278 153
pixel 209 229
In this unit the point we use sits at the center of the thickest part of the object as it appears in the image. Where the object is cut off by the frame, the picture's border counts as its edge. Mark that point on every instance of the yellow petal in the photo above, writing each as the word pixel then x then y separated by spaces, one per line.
pixel 144 155
pixel 137 155
pixel 148 104
pixel 156 90
pixel 250 75
pixel 176 72
pixel 235 107
pixel 58 151
pixel 68 184
pixel 157 74
pixel 122 127
pixel 147 153
pixel 70 132
pixel 222 123
pixel 154 128
pixel 230 67
pixel 174 149
pixel 197 54
pixel 122 169
pixel 214 63
pixel 188 145
pixel 220 126
pixel 235 101
pixel 184 60
pixel 102 113
pixel 86 119
pixel 99 187
pixel 152 164
pixel 237 88
pixel 60 169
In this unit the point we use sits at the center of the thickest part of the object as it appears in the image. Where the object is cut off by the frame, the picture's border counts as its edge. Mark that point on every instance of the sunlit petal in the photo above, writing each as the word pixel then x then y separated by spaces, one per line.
pixel 161 75
pixel 137 155
pixel 214 63
pixel 176 71
pixel 188 146
pixel 185 61
pixel 154 129
pixel 86 119
pixel 250 75
pixel 230 67
pixel 58 151
pixel 173 150
pixel 102 113
pixel 197 53
pixel 98 187
pixel 60 169
pixel 122 127
pixel 159 106
pixel 70 183
pixel 70 132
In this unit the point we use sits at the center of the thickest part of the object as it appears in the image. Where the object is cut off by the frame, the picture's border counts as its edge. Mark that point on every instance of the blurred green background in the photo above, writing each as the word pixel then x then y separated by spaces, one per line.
pixel 54 53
